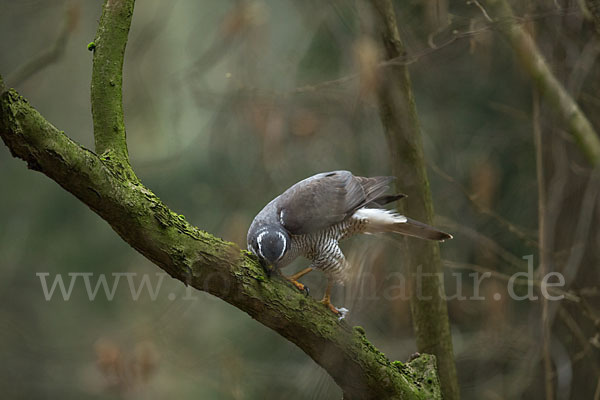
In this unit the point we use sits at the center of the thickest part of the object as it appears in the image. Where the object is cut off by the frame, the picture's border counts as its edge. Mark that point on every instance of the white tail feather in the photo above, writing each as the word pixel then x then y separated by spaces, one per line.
pixel 379 220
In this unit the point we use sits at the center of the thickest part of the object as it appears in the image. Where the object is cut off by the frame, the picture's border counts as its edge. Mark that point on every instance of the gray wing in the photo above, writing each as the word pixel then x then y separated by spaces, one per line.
pixel 326 199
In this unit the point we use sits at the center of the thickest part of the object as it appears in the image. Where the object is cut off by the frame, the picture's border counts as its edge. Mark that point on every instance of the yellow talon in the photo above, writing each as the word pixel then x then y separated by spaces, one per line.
pixel 294 279
pixel 327 300
pixel 298 285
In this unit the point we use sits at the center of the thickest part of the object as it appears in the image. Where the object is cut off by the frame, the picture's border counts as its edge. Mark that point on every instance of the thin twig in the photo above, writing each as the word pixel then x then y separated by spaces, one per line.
pixel 52 54
pixel 506 278
pixel 542 76
pixel 544 251
pixel 488 243
pixel 572 325
pixel 583 65
pixel 514 229
pixel 483 10
pixel 584 224
pixel 411 58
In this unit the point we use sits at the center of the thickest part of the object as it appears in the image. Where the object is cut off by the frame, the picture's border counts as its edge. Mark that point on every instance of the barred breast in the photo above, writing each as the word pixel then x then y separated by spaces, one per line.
pixel 322 248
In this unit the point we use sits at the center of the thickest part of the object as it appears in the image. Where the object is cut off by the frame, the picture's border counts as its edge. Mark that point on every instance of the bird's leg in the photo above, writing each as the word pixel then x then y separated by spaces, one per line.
pixel 327 298
pixel 294 279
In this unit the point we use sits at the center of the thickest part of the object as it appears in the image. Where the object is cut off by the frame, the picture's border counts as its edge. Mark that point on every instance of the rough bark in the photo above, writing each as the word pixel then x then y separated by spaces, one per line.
pixel 107 185
pixel 399 117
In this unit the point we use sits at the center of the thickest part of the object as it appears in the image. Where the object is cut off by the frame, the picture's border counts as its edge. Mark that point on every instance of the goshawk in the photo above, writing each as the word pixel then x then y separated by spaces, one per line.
pixel 312 216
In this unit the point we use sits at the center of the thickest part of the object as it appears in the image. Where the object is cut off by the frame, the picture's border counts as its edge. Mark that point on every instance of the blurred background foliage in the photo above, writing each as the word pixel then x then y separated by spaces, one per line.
pixel 227 103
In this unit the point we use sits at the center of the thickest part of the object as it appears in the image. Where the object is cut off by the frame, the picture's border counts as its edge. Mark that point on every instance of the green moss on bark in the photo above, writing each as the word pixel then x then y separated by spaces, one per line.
pixel 208 263
pixel 107 81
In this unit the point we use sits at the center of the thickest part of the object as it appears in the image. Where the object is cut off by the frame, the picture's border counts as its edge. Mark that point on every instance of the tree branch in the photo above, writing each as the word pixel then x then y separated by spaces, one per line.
pixel 210 264
pixel 107 185
pixel 550 88
pixel 399 118
pixel 50 55
pixel 107 81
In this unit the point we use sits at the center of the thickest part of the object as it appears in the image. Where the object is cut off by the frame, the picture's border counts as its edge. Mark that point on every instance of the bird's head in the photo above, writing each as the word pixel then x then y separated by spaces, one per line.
pixel 270 244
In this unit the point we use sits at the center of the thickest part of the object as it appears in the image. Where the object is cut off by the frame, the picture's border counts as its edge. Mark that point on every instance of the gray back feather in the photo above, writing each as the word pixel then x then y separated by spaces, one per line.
pixel 326 199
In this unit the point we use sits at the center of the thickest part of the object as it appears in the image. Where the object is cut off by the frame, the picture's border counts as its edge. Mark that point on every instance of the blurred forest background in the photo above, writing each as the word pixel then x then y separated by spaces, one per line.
pixel 228 103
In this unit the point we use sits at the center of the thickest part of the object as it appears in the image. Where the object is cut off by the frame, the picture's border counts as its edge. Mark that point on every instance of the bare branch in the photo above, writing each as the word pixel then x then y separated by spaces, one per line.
pixel 401 126
pixel 518 231
pixel 506 278
pixel 543 238
pixel 50 55
pixel 550 88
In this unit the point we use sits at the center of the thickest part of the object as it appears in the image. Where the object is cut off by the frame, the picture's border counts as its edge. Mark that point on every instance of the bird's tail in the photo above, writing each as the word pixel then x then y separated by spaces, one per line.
pixel 421 230
pixel 379 220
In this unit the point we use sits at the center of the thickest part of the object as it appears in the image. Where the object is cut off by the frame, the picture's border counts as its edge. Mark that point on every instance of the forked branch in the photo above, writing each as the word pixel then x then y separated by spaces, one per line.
pixel 107 185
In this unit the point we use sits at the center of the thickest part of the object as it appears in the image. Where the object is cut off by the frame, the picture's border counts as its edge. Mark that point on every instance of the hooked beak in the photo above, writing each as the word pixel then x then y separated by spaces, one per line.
pixel 266 266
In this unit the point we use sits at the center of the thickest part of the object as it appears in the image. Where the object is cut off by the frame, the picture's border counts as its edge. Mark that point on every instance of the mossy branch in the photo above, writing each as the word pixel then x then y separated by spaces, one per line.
pixel 401 125
pixel 106 183
pixel 550 88
pixel 107 81
pixel 210 264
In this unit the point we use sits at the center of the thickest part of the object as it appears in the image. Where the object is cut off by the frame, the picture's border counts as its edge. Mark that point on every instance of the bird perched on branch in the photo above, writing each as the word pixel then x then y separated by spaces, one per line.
pixel 312 216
